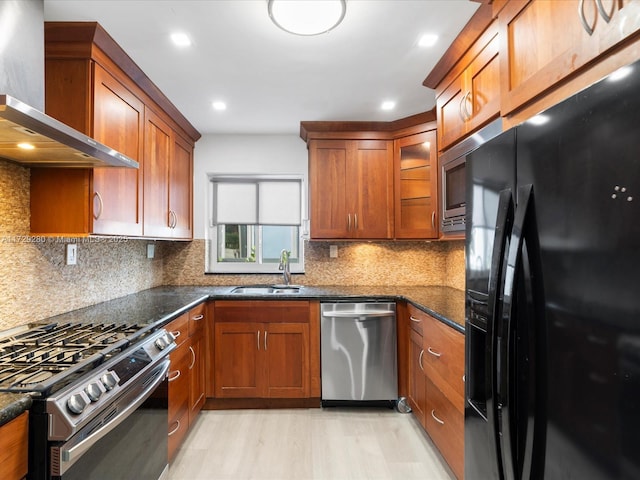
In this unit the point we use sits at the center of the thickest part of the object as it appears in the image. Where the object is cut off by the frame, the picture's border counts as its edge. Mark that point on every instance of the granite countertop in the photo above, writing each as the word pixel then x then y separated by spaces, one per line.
pixel 157 306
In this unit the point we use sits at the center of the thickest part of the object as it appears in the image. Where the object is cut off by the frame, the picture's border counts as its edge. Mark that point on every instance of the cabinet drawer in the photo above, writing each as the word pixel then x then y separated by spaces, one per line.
pixel 417 319
pixel 179 382
pixel 178 429
pixel 196 319
pixel 262 311
pixel 444 360
pixel 179 327
pixel 445 425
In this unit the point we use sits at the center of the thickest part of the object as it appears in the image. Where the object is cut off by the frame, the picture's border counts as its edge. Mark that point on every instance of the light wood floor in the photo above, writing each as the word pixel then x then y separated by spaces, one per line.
pixel 307 444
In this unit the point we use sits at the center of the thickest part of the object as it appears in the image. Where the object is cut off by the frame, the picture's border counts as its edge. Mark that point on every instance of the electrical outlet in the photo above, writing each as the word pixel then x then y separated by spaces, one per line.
pixel 151 250
pixel 333 251
pixel 72 254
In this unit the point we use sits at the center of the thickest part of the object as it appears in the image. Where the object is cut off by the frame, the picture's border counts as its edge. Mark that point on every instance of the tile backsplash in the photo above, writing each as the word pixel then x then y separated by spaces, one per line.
pixel 36 283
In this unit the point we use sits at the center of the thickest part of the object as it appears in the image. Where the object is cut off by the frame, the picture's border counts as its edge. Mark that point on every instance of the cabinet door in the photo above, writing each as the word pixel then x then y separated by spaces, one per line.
pixel 118 123
pixel 370 189
pixel 196 375
pixel 158 148
pixel 549 41
pixel 178 381
pixel 451 119
pixel 417 380
pixel 327 188
pixel 238 369
pixel 416 186
pixel 286 347
pixel 181 189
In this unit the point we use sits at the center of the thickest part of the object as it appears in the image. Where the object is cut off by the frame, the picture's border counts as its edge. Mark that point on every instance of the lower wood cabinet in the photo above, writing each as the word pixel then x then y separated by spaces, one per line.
pixel 14 438
pixel 435 389
pixel 262 349
pixel 186 374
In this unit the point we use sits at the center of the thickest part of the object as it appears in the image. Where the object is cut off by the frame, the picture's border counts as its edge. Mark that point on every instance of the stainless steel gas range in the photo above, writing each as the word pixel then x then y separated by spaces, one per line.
pixel 99 397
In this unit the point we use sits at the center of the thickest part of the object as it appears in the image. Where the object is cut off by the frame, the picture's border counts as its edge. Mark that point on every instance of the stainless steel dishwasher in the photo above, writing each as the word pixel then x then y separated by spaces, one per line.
pixel 359 353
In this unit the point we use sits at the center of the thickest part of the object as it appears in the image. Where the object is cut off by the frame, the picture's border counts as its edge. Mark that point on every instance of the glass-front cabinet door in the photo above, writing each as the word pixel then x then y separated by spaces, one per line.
pixel 416 212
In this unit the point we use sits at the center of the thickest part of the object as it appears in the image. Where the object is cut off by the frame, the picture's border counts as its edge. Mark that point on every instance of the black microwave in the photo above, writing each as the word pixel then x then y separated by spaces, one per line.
pixel 453 177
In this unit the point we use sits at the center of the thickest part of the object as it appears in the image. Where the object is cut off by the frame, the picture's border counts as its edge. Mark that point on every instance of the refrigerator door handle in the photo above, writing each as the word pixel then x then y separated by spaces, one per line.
pixel 502 232
pixel 518 383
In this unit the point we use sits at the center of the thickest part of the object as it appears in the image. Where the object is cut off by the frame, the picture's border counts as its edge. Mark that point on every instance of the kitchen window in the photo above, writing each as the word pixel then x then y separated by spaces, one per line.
pixel 253 218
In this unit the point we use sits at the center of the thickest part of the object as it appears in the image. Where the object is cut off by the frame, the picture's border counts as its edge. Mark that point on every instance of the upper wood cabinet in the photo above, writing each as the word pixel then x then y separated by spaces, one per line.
pixel 351 189
pixel 416 186
pixel 93 86
pixel 545 42
pixel 470 95
pixel 167 181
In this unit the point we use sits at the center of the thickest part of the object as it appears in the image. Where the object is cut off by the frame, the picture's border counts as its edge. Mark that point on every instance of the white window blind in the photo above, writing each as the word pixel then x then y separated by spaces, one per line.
pixel 257 202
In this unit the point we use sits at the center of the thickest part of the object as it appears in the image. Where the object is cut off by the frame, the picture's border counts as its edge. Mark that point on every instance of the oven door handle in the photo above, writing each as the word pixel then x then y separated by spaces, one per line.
pixel 68 456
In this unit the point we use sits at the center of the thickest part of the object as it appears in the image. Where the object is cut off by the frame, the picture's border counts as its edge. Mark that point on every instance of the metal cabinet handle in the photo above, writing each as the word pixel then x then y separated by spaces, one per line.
pixel 197 317
pixel 433 415
pixel 434 353
pixel 174 377
pixel 433 220
pixel 175 429
pixel 348 222
pixel 265 340
pixel 417 320
pixel 258 339
pixel 583 19
pixel 355 216
pixel 420 359
pixel 467 114
pixel 100 203
pixel 176 334
pixel 193 357
pixel 173 219
pixel 603 13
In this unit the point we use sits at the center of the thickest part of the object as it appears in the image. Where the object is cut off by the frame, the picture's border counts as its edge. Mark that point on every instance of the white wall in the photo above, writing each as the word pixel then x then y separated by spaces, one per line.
pixel 251 154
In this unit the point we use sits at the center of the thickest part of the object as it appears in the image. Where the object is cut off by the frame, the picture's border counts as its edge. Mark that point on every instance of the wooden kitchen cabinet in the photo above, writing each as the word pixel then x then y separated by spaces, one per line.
pixel 186 374
pixel 546 42
pixel 93 86
pixel 14 447
pixel 104 201
pixel 436 384
pixel 262 349
pixel 469 97
pixel 167 181
pixel 416 186
pixel 351 189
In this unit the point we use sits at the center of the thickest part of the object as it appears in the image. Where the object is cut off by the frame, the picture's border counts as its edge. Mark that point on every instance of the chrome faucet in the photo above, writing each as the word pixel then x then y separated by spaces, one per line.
pixel 284 266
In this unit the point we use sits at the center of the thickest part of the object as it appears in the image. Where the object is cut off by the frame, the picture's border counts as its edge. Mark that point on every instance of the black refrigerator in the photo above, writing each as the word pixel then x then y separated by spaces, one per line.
pixel 553 292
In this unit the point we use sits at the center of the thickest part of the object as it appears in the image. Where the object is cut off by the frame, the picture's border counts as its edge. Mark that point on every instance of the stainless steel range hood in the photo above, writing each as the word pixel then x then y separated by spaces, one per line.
pixel 47 142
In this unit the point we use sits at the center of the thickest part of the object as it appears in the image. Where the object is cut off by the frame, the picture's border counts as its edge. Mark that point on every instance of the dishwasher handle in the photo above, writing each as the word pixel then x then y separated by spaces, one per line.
pixel 359 315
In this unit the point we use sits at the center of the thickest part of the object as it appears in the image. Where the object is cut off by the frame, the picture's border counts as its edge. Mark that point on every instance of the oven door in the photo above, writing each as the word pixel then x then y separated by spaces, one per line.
pixel 127 440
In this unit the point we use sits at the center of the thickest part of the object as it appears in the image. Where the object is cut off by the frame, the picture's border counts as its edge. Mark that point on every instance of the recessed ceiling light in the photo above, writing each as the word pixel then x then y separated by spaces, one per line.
pixel 180 39
pixel 26 146
pixel 388 105
pixel 427 40
pixel 219 106
pixel 307 17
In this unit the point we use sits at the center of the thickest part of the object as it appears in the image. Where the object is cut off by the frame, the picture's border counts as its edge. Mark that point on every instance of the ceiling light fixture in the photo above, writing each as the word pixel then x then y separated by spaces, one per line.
pixel 219 106
pixel 307 17
pixel 388 105
pixel 427 40
pixel 180 39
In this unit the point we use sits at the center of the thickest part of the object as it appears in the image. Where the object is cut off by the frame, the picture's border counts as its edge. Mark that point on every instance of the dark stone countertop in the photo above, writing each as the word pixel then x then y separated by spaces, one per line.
pixel 12 405
pixel 157 306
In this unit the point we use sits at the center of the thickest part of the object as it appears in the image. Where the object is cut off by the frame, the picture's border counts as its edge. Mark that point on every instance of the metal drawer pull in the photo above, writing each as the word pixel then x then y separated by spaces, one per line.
pixel 175 429
pixel 258 339
pixel 433 415
pixel 417 320
pixel 433 220
pixel 193 358
pixel 100 203
pixel 420 360
pixel 265 340
pixel 603 13
pixel 175 377
pixel 197 317
pixel 176 334
pixel 435 354
pixel 583 19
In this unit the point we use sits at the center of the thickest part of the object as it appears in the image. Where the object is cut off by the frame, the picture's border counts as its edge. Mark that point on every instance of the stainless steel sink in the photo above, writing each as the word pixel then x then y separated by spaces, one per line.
pixel 267 290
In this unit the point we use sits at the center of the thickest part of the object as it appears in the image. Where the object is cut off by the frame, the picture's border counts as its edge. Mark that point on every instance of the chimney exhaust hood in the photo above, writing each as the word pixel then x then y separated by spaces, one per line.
pixel 47 142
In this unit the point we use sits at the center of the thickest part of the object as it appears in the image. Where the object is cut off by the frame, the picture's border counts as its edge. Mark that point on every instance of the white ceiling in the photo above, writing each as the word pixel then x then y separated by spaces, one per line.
pixel 272 80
